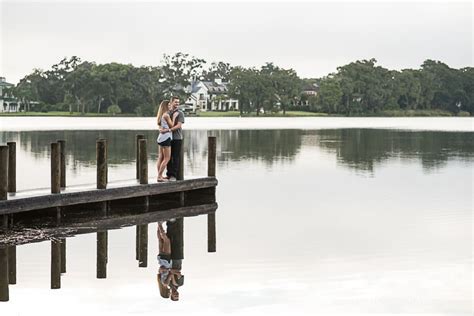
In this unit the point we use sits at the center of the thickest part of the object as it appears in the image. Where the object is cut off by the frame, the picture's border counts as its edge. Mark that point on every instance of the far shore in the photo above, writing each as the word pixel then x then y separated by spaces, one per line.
pixel 408 113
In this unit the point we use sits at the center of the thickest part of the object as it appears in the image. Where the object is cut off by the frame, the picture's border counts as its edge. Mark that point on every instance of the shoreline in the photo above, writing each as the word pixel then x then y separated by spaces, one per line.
pixel 222 114
pixel 456 124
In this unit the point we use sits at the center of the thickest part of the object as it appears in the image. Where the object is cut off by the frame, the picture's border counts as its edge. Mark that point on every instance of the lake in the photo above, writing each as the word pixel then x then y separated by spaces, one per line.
pixel 318 216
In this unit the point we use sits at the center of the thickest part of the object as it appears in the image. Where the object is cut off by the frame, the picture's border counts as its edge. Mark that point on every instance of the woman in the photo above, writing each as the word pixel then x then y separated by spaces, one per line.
pixel 164 138
pixel 164 259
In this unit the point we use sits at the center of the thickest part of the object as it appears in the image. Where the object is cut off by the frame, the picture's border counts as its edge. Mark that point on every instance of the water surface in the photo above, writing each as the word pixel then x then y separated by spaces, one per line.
pixel 342 220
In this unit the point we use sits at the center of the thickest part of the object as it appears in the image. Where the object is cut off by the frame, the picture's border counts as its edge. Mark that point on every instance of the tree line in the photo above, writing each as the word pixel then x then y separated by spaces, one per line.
pixel 359 88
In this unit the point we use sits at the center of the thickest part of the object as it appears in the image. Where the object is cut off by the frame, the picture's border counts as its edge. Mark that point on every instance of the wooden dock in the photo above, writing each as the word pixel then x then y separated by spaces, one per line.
pixel 62 211
pixel 60 195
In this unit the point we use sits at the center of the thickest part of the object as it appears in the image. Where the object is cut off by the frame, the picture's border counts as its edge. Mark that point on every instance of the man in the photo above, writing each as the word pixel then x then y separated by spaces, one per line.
pixel 177 117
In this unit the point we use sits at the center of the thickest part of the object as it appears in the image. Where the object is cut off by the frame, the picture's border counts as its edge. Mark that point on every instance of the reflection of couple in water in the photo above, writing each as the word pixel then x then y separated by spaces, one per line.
pixel 169 273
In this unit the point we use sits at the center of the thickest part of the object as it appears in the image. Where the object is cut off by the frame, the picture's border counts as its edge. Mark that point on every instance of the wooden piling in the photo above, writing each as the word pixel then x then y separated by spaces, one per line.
pixel 102 255
pixel 55 168
pixel 55 264
pixel 143 246
pixel 137 140
pixel 101 164
pixel 211 172
pixel 62 155
pixel 180 175
pixel 11 166
pixel 142 155
pixel 211 156
pixel 63 255
pixel 4 172
pixel 4 293
pixel 11 264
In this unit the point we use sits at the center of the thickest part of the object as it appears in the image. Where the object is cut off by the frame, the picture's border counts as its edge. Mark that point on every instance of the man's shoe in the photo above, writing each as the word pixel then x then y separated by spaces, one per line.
pixel 172 179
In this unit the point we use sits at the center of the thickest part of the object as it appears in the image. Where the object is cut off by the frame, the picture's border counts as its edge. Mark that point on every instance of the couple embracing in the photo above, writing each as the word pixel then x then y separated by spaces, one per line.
pixel 170 120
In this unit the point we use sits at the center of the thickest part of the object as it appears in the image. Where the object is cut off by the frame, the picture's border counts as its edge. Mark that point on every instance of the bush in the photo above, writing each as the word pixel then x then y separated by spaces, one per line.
pixel 114 109
pixel 464 113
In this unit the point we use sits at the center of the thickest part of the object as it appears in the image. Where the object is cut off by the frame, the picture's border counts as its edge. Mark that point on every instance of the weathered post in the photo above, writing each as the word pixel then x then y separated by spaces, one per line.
pixel 63 255
pixel 55 168
pixel 141 242
pixel 181 163
pixel 11 166
pixel 180 175
pixel 101 164
pixel 106 161
pixel 55 264
pixel 102 255
pixel 142 157
pixel 56 174
pixel 4 183
pixel 138 137
pixel 4 293
pixel 211 172
pixel 3 172
pixel 62 158
pixel 12 264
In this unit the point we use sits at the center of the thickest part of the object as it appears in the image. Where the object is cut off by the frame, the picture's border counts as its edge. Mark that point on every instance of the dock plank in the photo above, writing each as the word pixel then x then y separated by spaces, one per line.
pixel 19 204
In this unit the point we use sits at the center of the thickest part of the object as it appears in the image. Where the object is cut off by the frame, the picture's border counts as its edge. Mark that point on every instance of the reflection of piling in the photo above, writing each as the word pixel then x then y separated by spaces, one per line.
pixel 11 166
pixel 55 264
pixel 211 172
pixel 137 140
pixel 63 255
pixel 137 241
pixel 101 164
pixel 4 294
pixel 12 264
pixel 62 161
pixel 102 255
pixel 3 172
pixel 143 246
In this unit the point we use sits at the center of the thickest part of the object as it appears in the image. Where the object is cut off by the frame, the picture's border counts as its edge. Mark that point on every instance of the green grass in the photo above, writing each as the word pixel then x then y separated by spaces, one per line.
pixel 413 113
pixel 387 113
pixel 253 114
pixel 59 113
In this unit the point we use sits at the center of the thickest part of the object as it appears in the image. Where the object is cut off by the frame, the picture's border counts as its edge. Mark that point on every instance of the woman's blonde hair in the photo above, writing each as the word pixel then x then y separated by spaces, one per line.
pixel 162 109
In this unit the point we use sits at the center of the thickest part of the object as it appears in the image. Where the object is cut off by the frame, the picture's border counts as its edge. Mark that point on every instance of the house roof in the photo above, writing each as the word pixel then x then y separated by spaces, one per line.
pixel 311 87
pixel 3 83
pixel 216 88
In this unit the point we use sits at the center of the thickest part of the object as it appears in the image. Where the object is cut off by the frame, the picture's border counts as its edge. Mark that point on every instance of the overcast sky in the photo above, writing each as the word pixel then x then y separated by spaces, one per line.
pixel 314 38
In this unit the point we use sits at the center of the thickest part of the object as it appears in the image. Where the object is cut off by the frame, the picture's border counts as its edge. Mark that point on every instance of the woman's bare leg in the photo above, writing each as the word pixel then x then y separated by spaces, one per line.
pixel 159 162
pixel 166 159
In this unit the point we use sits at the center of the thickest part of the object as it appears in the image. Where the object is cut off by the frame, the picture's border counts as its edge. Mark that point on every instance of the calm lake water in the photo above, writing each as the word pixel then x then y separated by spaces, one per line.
pixel 310 221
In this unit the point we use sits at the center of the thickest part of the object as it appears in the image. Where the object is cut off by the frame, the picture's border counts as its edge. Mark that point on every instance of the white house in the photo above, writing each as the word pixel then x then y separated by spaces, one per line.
pixel 210 96
pixel 7 104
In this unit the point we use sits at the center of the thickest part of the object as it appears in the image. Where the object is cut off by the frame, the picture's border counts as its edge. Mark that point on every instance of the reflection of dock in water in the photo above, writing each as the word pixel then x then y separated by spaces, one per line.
pixel 91 220
pixel 37 215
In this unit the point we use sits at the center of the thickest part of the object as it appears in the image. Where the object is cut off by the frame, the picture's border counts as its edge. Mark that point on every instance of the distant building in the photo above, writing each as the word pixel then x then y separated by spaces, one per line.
pixel 210 96
pixel 311 89
pixel 7 102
